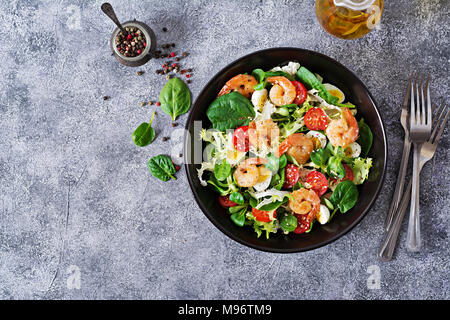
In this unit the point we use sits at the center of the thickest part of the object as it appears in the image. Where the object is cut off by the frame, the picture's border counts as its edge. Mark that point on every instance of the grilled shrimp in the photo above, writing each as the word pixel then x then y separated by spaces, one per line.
pixel 248 172
pixel 341 132
pixel 298 146
pixel 242 83
pixel 305 202
pixel 263 133
pixel 283 91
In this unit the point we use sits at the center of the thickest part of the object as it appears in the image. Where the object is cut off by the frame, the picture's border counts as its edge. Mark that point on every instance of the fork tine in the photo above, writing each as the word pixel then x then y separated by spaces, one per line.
pixel 437 119
pixel 443 124
pixel 412 107
pixel 422 102
pixel 429 111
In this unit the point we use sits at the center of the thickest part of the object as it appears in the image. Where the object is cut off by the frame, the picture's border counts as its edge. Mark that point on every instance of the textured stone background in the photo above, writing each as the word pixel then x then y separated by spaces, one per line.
pixel 75 190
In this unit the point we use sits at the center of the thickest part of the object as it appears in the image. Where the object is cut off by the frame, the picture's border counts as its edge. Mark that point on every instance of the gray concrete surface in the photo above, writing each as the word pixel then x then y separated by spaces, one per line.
pixel 77 201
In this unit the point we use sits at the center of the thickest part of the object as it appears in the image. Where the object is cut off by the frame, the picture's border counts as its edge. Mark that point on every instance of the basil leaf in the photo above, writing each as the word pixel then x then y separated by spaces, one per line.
pixel 253 202
pixel 230 111
pixel 216 186
pixel 345 196
pixel 239 217
pixel 144 134
pixel 335 168
pixel 161 167
pixel 272 206
pixel 328 203
pixel 237 197
pixel 222 171
pixel 365 138
pixel 236 209
pixel 311 82
pixel 279 73
pixel 274 163
pixel 320 157
pixel 259 75
pixel 262 76
pixel 280 182
pixel 288 223
pixel 175 98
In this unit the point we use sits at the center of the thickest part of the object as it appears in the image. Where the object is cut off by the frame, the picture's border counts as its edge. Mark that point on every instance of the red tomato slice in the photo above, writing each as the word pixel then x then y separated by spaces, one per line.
pixel 316 119
pixel 226 202
pixel 263 216
pixel 240 139
pixel 318 182
pixel 301 92
pixel 291 176
pixel 303 223
pixel 348 173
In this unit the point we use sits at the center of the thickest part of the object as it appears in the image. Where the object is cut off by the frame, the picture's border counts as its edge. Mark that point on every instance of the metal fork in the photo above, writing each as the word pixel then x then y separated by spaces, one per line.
pixel 427 152
pixel 404 119
pixel 419 131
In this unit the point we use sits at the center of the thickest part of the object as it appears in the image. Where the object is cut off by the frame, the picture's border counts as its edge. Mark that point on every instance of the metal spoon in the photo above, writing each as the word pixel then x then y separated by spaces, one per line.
pixel 109 11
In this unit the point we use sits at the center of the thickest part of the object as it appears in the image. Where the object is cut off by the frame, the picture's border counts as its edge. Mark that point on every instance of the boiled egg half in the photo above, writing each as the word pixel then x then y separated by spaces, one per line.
pixel 320 140
pixel 265 176
pixel 335 91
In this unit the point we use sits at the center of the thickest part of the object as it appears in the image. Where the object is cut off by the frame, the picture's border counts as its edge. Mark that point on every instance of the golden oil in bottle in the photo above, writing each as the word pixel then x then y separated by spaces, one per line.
pixel 349 19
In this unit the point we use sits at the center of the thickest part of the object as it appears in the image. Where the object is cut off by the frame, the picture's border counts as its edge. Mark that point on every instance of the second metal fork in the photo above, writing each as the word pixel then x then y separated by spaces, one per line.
pixel 420 131
pixel 426 154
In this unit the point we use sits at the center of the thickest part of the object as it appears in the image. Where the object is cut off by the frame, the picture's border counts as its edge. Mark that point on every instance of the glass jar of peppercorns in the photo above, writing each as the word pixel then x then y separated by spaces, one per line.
pixel 135 46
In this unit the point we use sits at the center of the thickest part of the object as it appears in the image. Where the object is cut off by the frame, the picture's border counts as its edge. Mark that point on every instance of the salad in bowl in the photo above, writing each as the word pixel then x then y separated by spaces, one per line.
pixel 285 151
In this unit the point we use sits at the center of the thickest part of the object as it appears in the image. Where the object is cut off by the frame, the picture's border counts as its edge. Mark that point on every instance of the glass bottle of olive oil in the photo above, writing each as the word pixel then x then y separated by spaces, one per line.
pixel 349 19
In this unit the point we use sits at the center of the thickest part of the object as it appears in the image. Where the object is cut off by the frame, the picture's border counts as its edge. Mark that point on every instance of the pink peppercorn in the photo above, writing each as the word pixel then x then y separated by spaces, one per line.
pixel 172 54
pixel 188 76
pixel 158 104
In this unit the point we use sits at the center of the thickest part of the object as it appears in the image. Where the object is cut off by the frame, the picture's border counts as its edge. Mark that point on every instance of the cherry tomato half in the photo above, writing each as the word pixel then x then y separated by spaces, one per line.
pixel 348 173
pixel 226 202
pixel 318 182
pixel 301 92
pixel 316 119
pixel 240 139
pixel 303 223
pixel 291 176
pixel 263 216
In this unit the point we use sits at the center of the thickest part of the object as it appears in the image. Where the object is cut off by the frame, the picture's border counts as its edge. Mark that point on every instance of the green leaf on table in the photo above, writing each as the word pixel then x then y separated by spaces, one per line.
pixel 144 134
pixel 161 167
pixel 175 98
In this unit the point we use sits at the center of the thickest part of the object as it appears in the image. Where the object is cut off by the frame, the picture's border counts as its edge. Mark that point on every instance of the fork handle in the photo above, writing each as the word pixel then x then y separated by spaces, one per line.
pixel 387 247
pixel 413 241
pixel 399 184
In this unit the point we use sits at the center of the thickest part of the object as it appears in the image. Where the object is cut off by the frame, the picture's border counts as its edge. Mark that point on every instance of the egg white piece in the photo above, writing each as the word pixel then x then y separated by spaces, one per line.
pixel 316 134
pixel 353 150
pixel 291 68
pixel 259 99
pixel 323 215
pixel 263 185
pixel 335 91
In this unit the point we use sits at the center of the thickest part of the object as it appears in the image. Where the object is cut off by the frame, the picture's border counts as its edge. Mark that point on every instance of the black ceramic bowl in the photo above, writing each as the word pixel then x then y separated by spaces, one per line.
pixel 333 72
